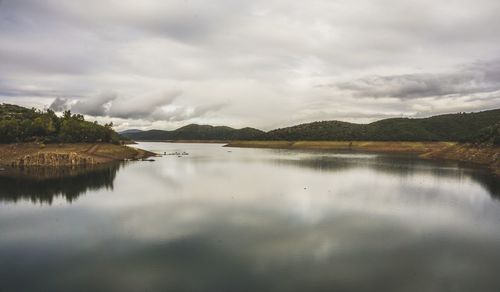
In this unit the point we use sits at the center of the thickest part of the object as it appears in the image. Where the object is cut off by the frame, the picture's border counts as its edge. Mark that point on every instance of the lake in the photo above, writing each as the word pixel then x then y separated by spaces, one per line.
pixel 234 219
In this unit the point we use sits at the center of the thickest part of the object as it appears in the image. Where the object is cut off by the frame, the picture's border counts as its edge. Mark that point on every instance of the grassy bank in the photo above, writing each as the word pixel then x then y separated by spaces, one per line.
pixel 33 154
pixel 484 155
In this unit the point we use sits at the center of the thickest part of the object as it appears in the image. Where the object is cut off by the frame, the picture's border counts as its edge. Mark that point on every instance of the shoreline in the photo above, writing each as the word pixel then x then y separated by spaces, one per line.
pixel 367 146
pixel 67 154
pixel 188 141
pixel 487 156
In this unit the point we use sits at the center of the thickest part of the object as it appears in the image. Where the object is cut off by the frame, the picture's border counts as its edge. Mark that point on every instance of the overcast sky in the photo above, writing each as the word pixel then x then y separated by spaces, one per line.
pixel 262 63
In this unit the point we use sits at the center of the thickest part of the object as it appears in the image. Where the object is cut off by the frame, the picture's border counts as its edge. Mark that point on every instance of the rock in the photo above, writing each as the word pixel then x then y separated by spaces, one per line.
pixel 54 159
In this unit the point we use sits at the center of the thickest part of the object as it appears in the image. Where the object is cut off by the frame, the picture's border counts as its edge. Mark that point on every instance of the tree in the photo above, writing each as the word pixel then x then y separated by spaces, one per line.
pixel 18 124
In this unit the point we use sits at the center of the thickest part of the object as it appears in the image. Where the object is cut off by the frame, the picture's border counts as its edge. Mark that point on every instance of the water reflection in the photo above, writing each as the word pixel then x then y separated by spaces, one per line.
pixel 400 165
pixel 261 220
pixel 43 184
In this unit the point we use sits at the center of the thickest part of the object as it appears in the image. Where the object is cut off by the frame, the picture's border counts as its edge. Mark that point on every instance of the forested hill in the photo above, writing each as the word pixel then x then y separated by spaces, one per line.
pixel 450 127
pixel 465 127
pixel 197 132
pixel 19 124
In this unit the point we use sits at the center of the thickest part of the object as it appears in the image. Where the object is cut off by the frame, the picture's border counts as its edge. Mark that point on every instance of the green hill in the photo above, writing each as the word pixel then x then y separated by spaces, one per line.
pixel 198 132
pixel 463 127
pixel 489 135
pixel 19 124
pixel 450 127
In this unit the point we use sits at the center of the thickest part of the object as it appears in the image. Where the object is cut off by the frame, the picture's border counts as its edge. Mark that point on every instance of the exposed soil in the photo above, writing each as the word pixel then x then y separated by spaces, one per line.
pixel 32 154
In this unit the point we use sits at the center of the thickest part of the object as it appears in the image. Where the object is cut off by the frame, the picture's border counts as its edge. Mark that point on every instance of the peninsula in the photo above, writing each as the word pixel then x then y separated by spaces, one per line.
pixel 30 137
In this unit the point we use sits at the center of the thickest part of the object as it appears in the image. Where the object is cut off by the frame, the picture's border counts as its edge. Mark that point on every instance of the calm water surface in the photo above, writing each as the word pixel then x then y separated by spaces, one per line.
pixel 229 219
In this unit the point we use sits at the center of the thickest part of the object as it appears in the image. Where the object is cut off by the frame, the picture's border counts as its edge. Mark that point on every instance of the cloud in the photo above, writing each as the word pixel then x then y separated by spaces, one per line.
pixel 249 63
pixel 59 104
pixel 152 107
pixel 143 106
pixel 183 113
pixel 479 77
pixel 97 106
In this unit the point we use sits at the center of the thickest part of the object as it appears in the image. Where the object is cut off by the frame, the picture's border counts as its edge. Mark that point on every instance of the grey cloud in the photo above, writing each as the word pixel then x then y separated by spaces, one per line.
pixel 185 21
pixel 109 104
pixel 97 106
pixel 16 58
pixel 187 113
pixel 59 104
pixel 201 110
pixel 480 77
pixel 148 107
pixel 16 92
pixel 141 107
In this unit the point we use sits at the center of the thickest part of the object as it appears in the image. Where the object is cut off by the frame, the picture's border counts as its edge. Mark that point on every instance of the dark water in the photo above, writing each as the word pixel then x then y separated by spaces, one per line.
pixel 252 220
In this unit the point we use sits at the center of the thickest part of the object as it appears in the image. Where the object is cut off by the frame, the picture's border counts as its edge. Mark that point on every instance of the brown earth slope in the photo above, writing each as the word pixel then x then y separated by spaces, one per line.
pixel 32 154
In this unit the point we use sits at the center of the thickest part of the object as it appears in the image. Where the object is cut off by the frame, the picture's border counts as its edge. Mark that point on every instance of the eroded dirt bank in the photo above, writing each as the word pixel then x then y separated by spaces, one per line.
pixel 56 155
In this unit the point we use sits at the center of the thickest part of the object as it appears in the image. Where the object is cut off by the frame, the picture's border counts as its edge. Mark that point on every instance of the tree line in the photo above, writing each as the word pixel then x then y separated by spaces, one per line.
pixel 481 128
pixel 19 124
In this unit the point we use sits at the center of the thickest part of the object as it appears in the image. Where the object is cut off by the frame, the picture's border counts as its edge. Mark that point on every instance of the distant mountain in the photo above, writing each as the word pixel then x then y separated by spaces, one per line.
pixel 130 131
pixel 449 127
pixel 197 132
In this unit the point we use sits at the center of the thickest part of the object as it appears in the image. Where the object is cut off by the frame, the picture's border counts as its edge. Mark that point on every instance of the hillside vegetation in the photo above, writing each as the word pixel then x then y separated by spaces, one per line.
pixel 462 127
pixel 19 124
pixel 489 135
pixel 480 127
pixel 198 132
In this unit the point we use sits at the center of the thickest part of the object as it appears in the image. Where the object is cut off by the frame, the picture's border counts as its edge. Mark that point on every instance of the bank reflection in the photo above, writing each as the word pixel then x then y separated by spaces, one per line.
pixel 397 165
pixel 43 185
